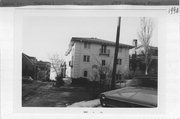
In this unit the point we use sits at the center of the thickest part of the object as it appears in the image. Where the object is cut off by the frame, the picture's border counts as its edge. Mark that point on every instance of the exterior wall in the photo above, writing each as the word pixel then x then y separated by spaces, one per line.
pixel 138 51
pixel 28 69
pixel 75 61
pixel 79 66
pixel 44 70
pixel 42 75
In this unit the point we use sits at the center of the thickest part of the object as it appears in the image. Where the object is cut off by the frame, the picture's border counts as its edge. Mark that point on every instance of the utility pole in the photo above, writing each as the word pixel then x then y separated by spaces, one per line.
pixel 115 55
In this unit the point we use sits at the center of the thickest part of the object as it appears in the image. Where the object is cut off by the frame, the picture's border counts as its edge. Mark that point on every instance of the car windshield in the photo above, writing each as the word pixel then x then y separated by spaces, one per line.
pixel 144 82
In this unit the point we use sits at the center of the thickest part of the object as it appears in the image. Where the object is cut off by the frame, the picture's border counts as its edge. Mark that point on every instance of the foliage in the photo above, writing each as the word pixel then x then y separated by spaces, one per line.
pixel 145 34
pixel 80 81
pixel 59 81
pixel 128 76
pixel 134 62
pixel 102 74
pixel 100 78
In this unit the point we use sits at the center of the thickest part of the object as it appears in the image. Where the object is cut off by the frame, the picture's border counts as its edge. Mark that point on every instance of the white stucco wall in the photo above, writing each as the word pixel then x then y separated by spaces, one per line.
pixel 79 66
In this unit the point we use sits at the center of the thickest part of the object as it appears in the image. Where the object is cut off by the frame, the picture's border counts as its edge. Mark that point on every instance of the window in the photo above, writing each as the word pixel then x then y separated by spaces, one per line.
pixel 103 49
pixel 85 73
pixel 119 61
pixel 86 45
pixel 71 63
pixel 86 58
pixel 103 62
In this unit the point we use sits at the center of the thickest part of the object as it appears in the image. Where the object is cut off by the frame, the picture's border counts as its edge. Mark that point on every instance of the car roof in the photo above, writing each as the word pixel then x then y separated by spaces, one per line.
pixel 137 95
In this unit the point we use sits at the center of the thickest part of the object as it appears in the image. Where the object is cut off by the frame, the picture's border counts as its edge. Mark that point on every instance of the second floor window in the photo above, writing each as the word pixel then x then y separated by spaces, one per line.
pixel 87 45
pixel 86 58
pixel 119 61
pixel 103 49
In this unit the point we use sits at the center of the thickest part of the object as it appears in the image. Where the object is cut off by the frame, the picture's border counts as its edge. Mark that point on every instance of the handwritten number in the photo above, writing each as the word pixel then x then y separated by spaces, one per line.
pixel 174 10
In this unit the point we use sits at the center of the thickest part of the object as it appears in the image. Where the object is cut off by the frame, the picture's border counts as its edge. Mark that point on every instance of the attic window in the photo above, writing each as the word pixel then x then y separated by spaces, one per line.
pixel 120 49
pixel 86 45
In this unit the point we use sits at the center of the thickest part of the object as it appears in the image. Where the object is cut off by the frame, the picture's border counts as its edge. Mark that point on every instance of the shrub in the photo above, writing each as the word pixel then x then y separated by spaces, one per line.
pixel 81 81
pixel 59 81
pixel 128 76
pixel 27 81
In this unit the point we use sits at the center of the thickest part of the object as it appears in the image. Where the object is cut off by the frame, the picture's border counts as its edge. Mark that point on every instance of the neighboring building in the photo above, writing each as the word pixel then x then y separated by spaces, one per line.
pixel 136 54
pixel 44 70
pixel 87 54
pixel 38 70
pixel 63 70
pixel 29 66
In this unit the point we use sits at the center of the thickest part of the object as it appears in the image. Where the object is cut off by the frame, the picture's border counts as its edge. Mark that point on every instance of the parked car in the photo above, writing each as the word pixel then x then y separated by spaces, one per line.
pixel 141 93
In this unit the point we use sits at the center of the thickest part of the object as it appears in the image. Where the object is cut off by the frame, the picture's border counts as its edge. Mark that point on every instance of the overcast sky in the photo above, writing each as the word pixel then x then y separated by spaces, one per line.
pixel 45 36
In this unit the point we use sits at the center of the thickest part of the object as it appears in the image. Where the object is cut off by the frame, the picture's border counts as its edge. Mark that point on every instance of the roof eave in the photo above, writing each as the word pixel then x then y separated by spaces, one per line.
pixel 76 39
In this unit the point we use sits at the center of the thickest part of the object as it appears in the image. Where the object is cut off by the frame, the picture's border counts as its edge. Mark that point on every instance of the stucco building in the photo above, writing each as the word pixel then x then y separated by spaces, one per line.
pixel 90 54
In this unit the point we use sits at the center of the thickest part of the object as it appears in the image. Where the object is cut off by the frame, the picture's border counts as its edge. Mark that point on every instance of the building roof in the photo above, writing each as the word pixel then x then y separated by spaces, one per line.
pixel 151 47
pixel 95 41
pixel 43 63
pixel 29 58
pixel 98 41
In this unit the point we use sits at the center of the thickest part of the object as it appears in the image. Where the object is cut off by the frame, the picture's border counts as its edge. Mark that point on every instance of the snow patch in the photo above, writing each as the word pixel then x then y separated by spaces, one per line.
pixel 91 103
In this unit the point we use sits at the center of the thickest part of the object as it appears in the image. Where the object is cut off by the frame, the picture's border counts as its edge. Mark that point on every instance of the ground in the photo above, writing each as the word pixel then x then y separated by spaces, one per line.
pixel 43 94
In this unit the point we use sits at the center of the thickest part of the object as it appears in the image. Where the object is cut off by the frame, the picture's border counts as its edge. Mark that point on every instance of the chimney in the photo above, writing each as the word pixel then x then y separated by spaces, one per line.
pixel 135 42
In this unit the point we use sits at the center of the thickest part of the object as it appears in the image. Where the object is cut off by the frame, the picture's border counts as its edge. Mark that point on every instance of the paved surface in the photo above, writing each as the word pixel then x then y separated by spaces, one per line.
pixel 48 96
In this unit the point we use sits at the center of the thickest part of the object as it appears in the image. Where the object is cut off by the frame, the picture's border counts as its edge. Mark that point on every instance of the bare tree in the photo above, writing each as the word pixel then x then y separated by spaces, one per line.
pixel 102 73
pixel 101 78
pixel 145 34
pixel 57 64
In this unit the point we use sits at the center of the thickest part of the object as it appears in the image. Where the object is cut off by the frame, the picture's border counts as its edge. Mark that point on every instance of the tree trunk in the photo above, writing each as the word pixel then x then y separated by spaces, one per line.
pixel 146 61
pixel 146 71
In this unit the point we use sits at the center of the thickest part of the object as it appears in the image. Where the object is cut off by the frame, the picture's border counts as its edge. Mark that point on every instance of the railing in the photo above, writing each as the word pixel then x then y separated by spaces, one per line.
pixel 104 52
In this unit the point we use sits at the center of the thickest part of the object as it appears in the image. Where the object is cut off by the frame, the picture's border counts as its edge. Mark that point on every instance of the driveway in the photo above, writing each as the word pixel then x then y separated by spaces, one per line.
pixel 48 96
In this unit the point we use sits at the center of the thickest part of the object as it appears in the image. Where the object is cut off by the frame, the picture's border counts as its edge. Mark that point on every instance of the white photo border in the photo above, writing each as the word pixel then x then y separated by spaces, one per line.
pixel 14 107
